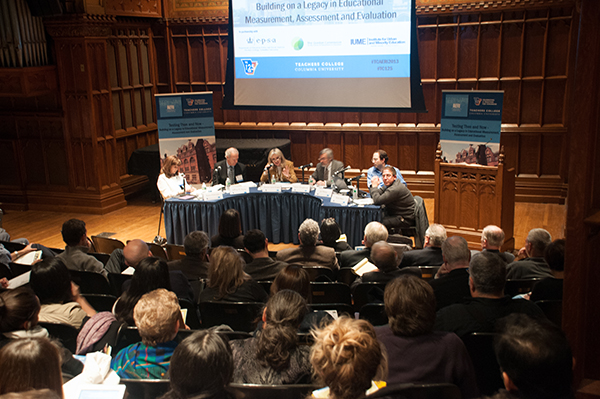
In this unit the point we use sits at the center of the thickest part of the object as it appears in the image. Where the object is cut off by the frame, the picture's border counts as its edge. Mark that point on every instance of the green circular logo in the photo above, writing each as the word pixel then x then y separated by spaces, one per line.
pixel 298 43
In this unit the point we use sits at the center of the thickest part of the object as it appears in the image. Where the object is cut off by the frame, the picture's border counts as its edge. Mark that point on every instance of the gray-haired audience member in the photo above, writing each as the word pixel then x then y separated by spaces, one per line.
pixel 492 238
pixel 451 284
pixel 488 303
pixel 374 232
pixel 431 254
pixel 193 265
pixel 309 254
pixel 262 266
pixel 534 266
pixel 535 359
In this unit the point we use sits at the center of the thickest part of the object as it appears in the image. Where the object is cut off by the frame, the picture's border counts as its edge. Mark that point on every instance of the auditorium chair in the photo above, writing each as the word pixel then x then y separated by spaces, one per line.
pixel 346 276
pixel 480 346
pixel 428 272
pixel 157 250
pixel 245 255
pixel 240 316
pixel 100 256
pixel 17 269
pixel 100 302
pixel 374 313
pixel 330 293
pixel 192 319
pixel 417 232
pixel 418 391
pixel 266 286
pixel 106 245
pixel 65 333
pixel 174 251
pixel 520 286
pixel 552 308
pixel 91 282
pixel 145 389
pixel 256 391
pixel 319 273
pixel 367 293
pixel 116 282
pixel 340 308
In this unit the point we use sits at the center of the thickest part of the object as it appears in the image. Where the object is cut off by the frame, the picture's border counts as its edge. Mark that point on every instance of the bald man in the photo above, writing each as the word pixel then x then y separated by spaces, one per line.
pixel 492 238
pixel 229 167
pixel 131 255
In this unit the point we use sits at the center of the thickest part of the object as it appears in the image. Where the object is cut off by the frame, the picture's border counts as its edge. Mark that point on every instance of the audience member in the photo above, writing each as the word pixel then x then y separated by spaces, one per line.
pixel 451 283
pixel 201 367
pixel 30 363
pixel 326 168
pixel 230 230
pixel 171 182
pixel 227 280
pixel 262 267
pixel 534 266
pixel 346 357
pixel 330 236
pixel 280 168
pixel 374 232
pixel 75 255
pixel 385 257
pixel 535 359
pixel 415 352
pixel 158 318
pixel 295 278
pixel 193 265
pixel 229 168
pixel 273 356
pixel 6 256
pixel 397 200
pixel 380 160
pixel 492 238
pixel 488 303
pixel 431 254
pixel 552 287
pixel 309 254
pixel 59 296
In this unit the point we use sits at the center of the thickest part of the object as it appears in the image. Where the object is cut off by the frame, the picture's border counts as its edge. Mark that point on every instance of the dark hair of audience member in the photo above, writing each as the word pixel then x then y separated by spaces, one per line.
pixel 346 356
pixel 19 309
pixel 51 281
pixel 150 274
pixel 30 363
pixel 330 232
pixel 254 241
pixel 410 306
pixel 72 231
pixel 488 273
pixel 295 278
pixel 35 394
pixel 226 271
pixel 554 254
pixel 536 355
pixel 230 224
pixel 201 367
pixel 279 337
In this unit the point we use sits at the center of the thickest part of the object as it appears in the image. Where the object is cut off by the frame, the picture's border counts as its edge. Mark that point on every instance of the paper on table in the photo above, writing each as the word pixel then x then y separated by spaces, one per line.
pixel 30 258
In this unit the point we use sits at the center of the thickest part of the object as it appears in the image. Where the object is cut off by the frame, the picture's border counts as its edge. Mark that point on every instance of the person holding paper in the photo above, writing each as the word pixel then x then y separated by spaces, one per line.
pixel 385 258
pixel 171 181
pixel 278 167
pixel 326 168
pixel 229 168
pixel 398 202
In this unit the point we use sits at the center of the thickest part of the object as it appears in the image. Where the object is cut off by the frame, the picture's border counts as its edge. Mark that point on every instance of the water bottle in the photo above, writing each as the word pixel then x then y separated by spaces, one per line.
pixel 227 185
pixel 354 193
pixel 311 180
pixel 203 186
pixel 273 180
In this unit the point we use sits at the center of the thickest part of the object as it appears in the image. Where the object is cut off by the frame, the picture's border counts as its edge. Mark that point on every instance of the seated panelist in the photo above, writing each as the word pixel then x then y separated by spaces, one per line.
pixel 326 168
pixel 279 167
pixel 171 182
pixel 229 168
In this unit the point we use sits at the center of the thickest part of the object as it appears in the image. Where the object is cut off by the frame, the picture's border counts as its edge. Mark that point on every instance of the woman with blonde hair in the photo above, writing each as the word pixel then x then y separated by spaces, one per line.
pixel 227 280
pixel 171 182
pixel 281 168
pixel 348 359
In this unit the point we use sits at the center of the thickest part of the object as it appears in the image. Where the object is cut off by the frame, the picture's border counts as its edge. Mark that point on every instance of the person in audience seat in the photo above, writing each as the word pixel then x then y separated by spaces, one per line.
pixel 75 255
pixel 274 356
pixel 492 238
pixel 348 359
pixel 227 280
pixel 374 232
pixel 60 297
pixel 330 234
pixel 230 230
pixel 415 352
pixel 280 168
pixel 309 254
pixel 488 303
pixel 158 318
pixel 552 287
pixel 201 367
pixel 431 254
pixel 451 283
pixel 262 267
pixel 534 265
pixel 397 200
pixel 193 265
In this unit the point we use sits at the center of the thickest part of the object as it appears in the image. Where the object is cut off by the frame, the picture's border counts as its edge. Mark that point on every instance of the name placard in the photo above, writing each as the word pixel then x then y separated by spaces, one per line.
pixel 323 192
pixel 271 188
pixel 239 189
pixel 216 195
pixel 300 188
pixel 340 199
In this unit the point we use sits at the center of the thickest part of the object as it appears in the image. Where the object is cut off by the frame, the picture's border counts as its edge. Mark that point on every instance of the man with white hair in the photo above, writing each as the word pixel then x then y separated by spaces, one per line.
pixel 326 168
pixel 431 254
pixel 229 168
pixel 308 253
pixel 374 232
pixel 492 238
pixel 534 266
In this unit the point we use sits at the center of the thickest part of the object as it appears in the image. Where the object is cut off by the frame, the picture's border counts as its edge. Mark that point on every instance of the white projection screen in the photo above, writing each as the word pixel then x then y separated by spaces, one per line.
pixel 353 55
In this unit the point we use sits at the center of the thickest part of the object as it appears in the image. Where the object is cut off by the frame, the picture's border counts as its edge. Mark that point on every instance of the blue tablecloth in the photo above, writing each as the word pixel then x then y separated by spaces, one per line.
pixel 278 215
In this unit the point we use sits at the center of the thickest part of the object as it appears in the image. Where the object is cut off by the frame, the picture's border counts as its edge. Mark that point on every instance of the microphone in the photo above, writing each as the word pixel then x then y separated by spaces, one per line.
pixel 357 178
pixel 218 168
pixel 268 167
pixel 342 170
pixel 182 186
pixel 308 165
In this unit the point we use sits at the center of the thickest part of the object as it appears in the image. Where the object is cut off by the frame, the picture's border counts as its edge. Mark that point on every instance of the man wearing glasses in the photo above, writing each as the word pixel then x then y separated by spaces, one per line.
pixel 326 168
pixel 397 201
pixel 380 160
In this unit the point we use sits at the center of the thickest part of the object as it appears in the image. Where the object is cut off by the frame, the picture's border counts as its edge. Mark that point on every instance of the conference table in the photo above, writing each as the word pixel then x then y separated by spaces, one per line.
pixel 277 215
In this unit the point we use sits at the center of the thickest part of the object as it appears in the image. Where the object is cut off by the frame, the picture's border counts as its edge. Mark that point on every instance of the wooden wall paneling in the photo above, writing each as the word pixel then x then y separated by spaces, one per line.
pixel 554 100
pixel 534 48
pixel 446 52
pixel 552 159
pixel 489 50
pixel 510 105
pixel 531 101
pixel 529 157
pixel 467 57
pixel 352 153
pixel 369 144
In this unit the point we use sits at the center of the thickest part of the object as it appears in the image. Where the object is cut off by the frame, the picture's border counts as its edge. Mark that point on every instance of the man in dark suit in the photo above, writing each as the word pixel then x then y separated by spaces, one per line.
pixel 262 267
pixel 309 254
pixel 385 257
pixel 451 283
pixel 399 204
pixel 374 232
pixel 193 265
pixel 492 238
pixel 326 168
pixel 431 254
pixel 229 168
pixel 534 266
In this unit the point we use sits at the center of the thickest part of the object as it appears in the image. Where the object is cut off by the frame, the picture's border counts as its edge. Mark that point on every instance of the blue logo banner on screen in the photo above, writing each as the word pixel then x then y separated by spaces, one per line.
pixel 456 106
pixel 185 114
pixel 169 107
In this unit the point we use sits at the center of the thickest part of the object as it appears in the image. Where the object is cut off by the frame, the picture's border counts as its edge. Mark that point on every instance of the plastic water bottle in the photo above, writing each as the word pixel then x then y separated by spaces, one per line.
pixel 203 186
pixel 354 193
pixel 273 180
pixel 228 185
pixel 311 180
